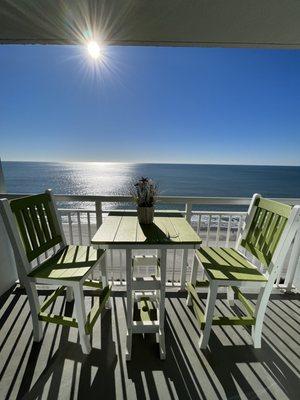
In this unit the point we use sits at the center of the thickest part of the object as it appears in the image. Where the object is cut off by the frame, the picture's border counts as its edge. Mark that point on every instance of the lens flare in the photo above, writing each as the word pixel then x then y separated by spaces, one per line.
pixel 94 50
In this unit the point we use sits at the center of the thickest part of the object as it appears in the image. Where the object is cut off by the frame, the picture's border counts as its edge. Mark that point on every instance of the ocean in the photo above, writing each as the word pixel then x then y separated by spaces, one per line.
pixel 172 179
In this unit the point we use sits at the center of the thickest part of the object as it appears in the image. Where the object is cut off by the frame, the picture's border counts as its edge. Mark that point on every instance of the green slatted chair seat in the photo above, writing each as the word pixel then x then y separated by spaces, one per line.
pixel 228 264
pixel 71 263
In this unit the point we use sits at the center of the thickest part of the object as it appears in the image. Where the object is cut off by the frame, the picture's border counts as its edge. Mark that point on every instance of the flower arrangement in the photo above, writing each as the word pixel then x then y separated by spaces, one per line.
pixel 145 192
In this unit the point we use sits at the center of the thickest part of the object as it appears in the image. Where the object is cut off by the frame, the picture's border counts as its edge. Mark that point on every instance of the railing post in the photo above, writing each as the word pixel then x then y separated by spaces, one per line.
pixel 2 181
pixel 98 213
pixel 188 214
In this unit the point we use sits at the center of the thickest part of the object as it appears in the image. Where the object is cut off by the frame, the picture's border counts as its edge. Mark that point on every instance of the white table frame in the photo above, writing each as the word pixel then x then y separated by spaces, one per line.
pixel 162 248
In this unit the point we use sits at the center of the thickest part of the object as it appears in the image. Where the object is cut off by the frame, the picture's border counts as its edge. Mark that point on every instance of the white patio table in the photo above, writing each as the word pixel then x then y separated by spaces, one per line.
pixel 168 231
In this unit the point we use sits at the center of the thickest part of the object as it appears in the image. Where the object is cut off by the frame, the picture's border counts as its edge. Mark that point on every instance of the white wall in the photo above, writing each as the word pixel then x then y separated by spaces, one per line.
pixel 8 270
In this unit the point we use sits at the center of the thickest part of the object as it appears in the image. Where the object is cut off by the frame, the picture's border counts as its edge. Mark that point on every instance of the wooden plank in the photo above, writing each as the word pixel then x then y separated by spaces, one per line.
pixel 23 232
pixel 37 226
pixel 28 201
pixel 279 229
pixel 43 248
pixel 58 319
pixel 107 231
pixel 185 231
pixel 97 309
pixel 127 230
pixel 30 228
pixel 44 224
pixel 50 219
pixel 258 226
pixel 166 225
pixel 275 207
pixel 50 299
pixel 264 230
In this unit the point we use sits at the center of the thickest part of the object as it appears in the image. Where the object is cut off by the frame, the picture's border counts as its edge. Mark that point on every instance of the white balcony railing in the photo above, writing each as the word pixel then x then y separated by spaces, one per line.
pixel 81 215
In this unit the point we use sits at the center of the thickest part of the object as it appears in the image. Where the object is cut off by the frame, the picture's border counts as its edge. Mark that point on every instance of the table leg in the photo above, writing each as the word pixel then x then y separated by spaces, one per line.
pixel 129 303
pixel 161 314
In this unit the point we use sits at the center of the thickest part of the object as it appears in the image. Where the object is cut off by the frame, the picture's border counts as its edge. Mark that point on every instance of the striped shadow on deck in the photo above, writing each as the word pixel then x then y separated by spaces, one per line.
pixel 231 368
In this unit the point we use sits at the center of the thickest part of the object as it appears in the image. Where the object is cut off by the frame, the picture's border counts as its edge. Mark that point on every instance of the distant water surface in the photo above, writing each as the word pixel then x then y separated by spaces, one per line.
pixel 173 179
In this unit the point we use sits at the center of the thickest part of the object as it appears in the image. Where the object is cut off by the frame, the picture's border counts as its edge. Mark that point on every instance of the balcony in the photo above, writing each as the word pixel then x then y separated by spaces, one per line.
pixel 230 368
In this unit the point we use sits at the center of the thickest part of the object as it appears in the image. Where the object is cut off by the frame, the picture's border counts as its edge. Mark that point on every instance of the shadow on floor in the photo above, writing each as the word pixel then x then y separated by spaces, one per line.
pixel 224 371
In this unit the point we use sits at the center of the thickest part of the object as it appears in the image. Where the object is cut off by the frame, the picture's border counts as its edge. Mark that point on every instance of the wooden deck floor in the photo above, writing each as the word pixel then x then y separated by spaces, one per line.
pixel 230 368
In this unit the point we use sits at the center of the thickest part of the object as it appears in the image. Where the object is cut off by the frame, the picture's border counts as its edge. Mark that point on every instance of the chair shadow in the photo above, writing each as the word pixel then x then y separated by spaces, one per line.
pixel 89 383
pixel 229 373
pixel 225 362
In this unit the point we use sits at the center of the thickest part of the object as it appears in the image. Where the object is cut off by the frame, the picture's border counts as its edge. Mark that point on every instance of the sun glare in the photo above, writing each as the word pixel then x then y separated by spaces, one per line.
pixel 94 50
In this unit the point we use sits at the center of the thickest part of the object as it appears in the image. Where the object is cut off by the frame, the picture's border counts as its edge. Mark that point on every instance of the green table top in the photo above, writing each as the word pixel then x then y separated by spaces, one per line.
pixel 166 230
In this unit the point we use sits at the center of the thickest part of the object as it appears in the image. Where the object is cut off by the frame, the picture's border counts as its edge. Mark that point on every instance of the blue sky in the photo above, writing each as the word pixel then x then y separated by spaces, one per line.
pixel 150 104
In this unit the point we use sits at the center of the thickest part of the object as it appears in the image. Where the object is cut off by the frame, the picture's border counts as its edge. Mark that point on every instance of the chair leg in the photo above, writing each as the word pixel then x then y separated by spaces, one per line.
pixel 103 267
pixel 193 279
pixel 230 296
pixel 69 294
pixel 260 311
pixel 35 309
pixel 209 313
pixel 81 319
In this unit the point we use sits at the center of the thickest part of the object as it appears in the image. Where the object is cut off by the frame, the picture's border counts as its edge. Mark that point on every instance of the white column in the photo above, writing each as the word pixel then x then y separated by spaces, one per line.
pixel 8 271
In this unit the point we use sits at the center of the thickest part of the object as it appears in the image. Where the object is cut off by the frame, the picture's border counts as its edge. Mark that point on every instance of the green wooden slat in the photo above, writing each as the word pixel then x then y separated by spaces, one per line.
pixel 252 226
pixel 186 233
pixel 233 321
pixel 127 230
pixel 108 230
pixel 264 231
pixel 50 299
pixel 147 310
pixel 266 228
pixel 44 247
pixel 202 283
pixel 246 303
pixel 167 227
pixel 279 229
pixel 58 319
pixel 50 219
pixel 220 320
pixel 28 201
pixel 263 257
pixel 44 224
pixel 153 233
pixel 23 231
pixel 30 228
pixel 258 227
pixel 227 264
pixel 37 226
pixel 275 207
pixel 93 283
pixel 97 309
pixel 61 266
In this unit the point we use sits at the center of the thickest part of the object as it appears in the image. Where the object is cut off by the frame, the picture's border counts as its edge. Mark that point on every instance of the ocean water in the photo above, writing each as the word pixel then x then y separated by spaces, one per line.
pixel 172 179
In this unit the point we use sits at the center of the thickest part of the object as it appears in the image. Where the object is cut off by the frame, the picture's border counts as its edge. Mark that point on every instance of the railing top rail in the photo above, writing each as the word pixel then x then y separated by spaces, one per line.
pixel 161 199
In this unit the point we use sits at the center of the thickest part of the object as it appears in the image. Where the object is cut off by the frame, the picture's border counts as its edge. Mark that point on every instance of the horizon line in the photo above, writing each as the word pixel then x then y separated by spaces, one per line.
pixel 151 163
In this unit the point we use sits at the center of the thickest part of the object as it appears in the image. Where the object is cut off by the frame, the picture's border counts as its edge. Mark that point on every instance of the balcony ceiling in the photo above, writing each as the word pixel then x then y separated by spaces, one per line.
pixel 230 23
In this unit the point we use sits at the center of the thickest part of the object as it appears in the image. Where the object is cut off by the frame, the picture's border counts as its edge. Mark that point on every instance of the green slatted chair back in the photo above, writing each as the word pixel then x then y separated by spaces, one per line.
pixel 37 224
pixel 266 228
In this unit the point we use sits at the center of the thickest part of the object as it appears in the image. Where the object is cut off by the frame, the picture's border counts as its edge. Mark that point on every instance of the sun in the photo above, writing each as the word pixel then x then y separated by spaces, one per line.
pixel 94 50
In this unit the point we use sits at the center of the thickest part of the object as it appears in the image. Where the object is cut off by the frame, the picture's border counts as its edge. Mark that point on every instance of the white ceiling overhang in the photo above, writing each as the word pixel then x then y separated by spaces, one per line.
pixel 222 23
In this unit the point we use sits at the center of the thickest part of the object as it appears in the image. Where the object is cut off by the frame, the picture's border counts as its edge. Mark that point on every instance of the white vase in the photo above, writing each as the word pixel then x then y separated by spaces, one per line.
pixel 145 215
